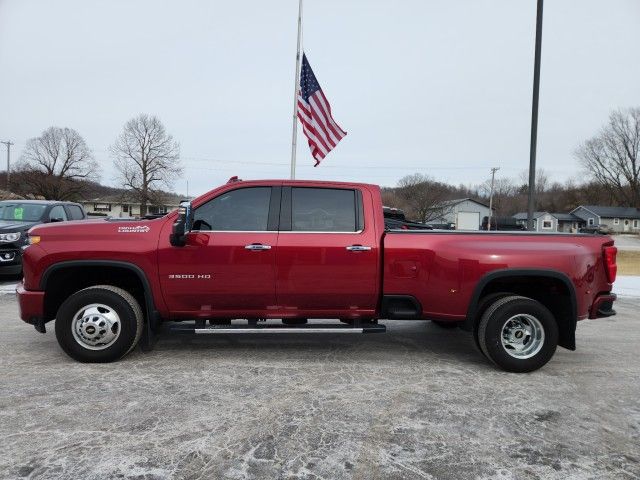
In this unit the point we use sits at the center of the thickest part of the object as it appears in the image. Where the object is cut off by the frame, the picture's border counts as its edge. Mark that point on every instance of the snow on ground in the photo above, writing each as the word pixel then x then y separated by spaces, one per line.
pixel 8 288
pixel 627 242
pixel 627 286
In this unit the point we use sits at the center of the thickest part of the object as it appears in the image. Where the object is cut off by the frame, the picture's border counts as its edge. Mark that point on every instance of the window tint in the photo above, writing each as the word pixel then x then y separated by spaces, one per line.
pixel 58 212
pixel 75 212
pixel 323 210
pixel 238 210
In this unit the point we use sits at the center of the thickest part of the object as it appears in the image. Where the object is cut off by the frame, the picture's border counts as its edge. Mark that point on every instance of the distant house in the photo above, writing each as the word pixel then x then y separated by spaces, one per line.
pixel 542 221
pixel 568 222
pixel 551 222
pixel 618 219
pixel 119 206
pixel 462 213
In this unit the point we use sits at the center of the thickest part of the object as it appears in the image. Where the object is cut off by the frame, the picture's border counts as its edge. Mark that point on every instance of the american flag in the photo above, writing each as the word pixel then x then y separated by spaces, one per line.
pixel 314 112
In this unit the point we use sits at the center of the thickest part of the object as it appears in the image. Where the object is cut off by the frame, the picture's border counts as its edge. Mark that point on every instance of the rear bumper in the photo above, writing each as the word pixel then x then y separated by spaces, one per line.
pixel 603 306
pixel 31 305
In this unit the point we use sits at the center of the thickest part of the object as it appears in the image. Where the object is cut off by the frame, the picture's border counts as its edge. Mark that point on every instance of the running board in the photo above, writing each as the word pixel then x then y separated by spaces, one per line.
pixel 319 328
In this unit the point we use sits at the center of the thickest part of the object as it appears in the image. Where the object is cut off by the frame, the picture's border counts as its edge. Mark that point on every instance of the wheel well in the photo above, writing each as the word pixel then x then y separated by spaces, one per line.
pixel 64 282
pixel 552 292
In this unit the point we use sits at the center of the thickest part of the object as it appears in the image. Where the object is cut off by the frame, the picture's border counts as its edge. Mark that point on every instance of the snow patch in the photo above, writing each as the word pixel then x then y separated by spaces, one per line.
pixel 627 286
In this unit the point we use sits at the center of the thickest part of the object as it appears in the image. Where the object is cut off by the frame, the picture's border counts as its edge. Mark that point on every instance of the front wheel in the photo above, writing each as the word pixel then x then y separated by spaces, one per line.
pixel 99 324
pixel 518 334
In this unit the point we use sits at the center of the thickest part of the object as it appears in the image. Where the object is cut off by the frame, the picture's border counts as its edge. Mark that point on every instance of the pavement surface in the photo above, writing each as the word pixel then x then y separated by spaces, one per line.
pixel 416 402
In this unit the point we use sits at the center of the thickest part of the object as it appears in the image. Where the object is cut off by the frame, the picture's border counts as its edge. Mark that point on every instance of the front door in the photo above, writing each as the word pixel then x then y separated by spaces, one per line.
pixel 327 259
pixel 227 267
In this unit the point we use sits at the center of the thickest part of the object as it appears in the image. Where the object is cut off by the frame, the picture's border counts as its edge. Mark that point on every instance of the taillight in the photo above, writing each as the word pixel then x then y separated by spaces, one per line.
pixel 610 267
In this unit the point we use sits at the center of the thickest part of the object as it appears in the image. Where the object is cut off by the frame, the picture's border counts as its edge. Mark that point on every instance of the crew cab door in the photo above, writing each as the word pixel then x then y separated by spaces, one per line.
pixel 227 267
pixel 328 253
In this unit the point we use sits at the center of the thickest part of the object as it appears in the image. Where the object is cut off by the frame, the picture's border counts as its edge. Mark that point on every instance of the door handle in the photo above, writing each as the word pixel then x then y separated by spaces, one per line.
pixel 257 247
pixel 358 248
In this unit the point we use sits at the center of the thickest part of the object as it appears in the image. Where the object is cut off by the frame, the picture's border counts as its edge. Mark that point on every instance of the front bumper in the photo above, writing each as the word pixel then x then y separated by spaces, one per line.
pixel 10 260
pixel 603 306
pixel 31 305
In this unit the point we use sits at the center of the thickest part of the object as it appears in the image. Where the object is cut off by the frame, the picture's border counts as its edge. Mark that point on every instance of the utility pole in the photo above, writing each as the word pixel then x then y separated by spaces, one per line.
pixel 493 176
pixel 534 119
pixel 8 143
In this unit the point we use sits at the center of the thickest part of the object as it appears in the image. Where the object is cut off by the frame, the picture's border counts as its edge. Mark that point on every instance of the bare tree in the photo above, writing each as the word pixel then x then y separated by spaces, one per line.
pixel 146 158
pixel 53 164
pixel 542 181
pixel 611 157
pixel 423 197
pixel 504 193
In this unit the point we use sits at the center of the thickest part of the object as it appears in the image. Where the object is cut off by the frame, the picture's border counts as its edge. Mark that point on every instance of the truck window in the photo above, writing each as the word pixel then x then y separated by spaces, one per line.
pixel 58 212
pixel 75 212
pixel 323 210
pixel 245 209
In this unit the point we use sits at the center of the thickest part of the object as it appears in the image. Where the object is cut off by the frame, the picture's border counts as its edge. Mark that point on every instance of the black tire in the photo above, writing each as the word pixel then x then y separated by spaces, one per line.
pixel 446 325
pixel 129 328
pixel 522 309
pixel 482 307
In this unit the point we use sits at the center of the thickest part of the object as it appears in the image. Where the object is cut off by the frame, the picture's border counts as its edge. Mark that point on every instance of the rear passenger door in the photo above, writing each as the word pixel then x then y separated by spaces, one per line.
pixel 327 253
pixel 57 214
pixel 75 212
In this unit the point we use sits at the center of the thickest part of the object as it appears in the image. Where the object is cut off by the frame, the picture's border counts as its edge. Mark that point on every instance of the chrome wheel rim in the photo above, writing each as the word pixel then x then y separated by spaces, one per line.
pixel 96 326
pixel 522 336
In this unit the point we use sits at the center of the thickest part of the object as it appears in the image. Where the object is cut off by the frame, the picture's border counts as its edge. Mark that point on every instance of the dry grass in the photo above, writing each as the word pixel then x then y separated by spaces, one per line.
pixel 628 262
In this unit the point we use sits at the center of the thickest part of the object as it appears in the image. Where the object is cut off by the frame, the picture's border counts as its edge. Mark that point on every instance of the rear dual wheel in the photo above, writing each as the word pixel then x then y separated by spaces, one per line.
pixel 517 333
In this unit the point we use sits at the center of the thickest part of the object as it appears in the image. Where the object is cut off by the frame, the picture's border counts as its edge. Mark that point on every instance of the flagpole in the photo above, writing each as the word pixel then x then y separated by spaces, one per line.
pixel 294 135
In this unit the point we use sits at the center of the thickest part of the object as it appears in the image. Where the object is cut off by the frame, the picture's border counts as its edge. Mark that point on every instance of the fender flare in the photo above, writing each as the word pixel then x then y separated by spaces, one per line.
pixel 520 272
pixel 148 294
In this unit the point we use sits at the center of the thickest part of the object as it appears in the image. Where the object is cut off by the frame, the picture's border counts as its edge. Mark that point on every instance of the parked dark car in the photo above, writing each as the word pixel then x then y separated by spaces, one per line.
pixel 601 229
pixel 503 224
pixel 395 219
pixel 18 216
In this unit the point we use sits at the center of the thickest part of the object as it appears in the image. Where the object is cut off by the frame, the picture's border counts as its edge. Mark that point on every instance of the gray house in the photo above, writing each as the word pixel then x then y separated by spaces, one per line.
pixel 618 219
pixel 542 221
pixel 463 213
pixel 568 222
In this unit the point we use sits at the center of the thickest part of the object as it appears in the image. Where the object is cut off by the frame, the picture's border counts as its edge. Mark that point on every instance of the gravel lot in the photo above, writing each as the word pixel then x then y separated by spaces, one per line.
pixel 416 402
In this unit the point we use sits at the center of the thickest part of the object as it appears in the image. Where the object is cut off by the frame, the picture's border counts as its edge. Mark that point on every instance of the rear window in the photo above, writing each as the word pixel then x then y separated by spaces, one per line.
pixel 323 210
pixel 75 212
pixel 22 212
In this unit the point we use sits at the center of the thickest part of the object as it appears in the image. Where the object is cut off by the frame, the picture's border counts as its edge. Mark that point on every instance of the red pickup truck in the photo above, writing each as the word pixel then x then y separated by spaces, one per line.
pixel 300 250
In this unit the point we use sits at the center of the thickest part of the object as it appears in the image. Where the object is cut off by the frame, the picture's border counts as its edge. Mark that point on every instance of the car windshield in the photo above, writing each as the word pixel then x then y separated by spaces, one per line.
pixel 21 212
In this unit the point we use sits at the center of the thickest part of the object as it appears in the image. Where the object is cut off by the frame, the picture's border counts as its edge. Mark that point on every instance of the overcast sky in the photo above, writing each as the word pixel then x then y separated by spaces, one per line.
pixel 441 87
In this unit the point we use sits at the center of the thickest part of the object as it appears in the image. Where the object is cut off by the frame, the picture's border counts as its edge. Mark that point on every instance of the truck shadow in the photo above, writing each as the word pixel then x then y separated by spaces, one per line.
pixel 420 340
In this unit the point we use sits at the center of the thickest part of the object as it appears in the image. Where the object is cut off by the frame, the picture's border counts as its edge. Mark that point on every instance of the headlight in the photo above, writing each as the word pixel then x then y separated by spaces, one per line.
pixel 9 237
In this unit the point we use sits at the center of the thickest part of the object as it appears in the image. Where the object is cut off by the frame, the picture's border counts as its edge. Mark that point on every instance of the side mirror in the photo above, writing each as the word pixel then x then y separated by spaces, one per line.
pixel 182 225
pixel 56 219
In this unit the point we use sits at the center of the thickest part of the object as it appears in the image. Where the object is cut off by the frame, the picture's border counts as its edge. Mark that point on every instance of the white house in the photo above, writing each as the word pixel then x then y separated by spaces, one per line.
pixel 119 206
pixel 462 213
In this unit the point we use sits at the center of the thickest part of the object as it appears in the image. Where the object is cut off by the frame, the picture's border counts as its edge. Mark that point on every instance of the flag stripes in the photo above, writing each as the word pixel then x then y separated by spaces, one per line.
pixel 314 112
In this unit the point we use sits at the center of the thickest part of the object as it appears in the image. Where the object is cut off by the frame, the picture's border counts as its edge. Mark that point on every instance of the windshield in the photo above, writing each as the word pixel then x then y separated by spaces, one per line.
pixel 21 212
